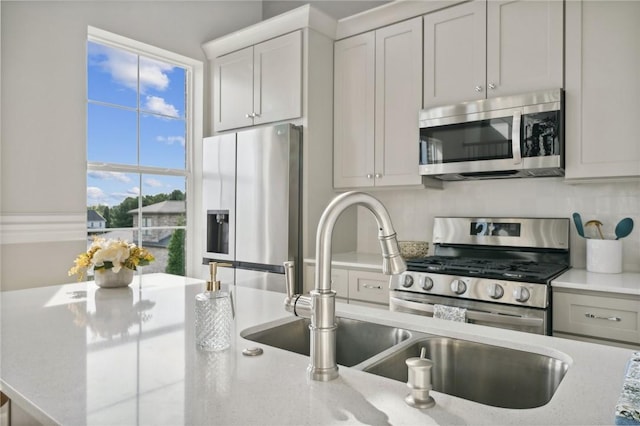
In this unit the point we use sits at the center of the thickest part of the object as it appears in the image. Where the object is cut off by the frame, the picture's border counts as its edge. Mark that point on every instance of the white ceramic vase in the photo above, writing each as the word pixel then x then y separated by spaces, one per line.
pixel 106 278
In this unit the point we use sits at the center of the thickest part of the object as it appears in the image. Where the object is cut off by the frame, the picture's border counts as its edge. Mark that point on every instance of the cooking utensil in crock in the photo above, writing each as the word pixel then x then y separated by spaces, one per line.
pixel 598 225
pixel 578 221
pixel 624 228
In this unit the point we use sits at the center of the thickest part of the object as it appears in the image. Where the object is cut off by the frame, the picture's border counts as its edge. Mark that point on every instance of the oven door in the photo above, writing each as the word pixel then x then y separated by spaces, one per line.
pixel 479 142
pixel 510 317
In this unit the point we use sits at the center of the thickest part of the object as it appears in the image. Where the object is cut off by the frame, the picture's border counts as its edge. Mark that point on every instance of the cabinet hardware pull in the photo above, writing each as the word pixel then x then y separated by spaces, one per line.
pixel 616 319
pixel 478 88
pixel 251 115
pixel 492 86
pixel 369 176
pixel 372 287
pixel 378 175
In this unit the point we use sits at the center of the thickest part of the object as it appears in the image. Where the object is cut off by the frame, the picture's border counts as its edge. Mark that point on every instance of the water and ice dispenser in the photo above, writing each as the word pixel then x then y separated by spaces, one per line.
pixel 218 231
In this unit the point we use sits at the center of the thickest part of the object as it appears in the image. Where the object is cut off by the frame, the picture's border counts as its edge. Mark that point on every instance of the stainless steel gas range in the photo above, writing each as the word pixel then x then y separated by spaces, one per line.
pixel 498 269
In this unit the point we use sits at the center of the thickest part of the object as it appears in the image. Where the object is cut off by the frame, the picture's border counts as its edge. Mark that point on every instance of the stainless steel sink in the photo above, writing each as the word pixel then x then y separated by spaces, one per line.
pixel 487 374
pixel 356 340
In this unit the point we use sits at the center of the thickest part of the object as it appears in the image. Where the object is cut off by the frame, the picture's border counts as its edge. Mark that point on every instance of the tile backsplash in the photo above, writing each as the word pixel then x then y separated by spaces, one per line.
pixel 412 211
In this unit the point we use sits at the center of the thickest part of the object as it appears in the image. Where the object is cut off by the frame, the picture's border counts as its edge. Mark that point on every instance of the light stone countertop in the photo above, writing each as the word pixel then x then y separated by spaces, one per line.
pixel 76 354
pixel 581 279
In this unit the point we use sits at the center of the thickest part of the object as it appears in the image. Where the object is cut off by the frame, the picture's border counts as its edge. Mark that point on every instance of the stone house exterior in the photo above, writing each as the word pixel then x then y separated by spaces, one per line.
pixel 164 213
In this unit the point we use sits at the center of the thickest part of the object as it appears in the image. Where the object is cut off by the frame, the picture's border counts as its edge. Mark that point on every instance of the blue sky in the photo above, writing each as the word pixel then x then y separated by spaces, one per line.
pixel 116 78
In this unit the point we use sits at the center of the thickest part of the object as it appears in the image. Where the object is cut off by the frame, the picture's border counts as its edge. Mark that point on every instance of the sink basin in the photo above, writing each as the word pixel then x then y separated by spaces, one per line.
pixel 487 374
pixel 356 340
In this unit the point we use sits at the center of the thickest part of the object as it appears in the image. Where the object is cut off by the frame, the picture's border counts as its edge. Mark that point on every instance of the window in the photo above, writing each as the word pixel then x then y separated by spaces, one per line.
pixel 139 138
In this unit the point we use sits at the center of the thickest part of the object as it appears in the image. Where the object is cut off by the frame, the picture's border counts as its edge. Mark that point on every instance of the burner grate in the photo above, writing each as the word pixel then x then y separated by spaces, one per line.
pixel 488 268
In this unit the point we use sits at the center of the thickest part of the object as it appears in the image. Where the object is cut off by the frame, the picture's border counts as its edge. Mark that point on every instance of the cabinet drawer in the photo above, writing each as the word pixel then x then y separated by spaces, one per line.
pixel 612 318
pixel 369 287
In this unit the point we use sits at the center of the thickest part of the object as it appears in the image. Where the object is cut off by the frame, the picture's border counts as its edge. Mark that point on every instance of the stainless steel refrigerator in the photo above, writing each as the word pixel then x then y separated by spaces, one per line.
pixel 252 198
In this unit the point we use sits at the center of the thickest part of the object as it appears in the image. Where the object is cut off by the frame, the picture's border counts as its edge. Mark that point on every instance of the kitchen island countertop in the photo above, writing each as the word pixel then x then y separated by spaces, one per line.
pixel 78 354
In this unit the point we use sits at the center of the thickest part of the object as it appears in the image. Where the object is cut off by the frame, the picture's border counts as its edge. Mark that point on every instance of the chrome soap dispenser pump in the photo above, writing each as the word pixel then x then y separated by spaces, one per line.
pixel 214 315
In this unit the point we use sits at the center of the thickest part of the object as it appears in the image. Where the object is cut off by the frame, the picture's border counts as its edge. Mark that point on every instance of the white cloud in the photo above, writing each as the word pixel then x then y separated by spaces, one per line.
pixel 170 140
pixel 154 74
pixel 119 176
pixel 135 191
pixel 123 68
pixel 95 195
pixel 159 106
pixel 154 183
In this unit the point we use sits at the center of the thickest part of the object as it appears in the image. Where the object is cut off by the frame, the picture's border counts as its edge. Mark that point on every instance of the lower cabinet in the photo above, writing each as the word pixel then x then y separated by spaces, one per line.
pixel 607 318
pixel 354 286
pixel 366 286
pixel 339 281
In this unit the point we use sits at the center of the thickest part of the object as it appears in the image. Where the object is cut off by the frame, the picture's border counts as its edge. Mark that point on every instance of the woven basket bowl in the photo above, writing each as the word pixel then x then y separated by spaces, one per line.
pixel 413 249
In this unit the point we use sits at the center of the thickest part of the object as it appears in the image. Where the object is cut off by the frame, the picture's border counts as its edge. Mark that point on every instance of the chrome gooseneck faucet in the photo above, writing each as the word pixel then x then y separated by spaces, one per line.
pixel 320 305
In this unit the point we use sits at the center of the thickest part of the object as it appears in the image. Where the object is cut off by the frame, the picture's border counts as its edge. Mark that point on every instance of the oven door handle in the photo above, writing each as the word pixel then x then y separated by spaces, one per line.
pixel 471 314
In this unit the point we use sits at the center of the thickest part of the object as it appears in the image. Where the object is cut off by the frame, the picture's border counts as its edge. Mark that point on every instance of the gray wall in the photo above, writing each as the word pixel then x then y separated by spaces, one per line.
pixel 43 154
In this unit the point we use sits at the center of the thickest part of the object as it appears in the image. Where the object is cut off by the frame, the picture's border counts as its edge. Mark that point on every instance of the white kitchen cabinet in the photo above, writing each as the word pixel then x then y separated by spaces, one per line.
pixel 339 281
pixel 367 286
pixel 259 84
pixel 377 97
pixel 609 318
pixel 602 90
pixel 484 49
pixel 355 286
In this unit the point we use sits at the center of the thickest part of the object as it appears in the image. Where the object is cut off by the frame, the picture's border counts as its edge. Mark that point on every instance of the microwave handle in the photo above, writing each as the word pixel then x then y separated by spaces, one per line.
pixel 515 137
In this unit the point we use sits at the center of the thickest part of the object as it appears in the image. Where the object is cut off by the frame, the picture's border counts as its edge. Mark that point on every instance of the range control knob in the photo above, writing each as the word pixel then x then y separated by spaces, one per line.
pixel 458 286
pixel 408 281
pixel 521 294
pixel 426 283
pixel 495 291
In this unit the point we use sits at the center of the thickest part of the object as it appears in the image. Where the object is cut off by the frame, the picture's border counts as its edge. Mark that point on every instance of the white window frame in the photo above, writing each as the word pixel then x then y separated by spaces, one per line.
pixel 194 76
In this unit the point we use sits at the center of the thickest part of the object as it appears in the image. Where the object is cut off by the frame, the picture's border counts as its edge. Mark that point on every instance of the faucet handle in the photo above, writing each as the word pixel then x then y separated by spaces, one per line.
pixel 290 277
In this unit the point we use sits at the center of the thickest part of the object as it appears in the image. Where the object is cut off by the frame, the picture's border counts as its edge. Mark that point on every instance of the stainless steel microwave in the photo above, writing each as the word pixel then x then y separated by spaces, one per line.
pixel 504 137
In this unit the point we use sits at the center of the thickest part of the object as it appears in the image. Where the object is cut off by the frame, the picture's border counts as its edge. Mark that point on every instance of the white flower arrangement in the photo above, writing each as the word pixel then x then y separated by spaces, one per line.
pixel 110 254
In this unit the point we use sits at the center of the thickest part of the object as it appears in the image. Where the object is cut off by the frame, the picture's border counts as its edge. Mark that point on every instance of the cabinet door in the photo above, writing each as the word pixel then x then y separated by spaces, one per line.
pixel 524 46
pixel 398 102
pixel 354 102
pixel 233 90
pixel 455 54
pixel 602 89
pixel 277 79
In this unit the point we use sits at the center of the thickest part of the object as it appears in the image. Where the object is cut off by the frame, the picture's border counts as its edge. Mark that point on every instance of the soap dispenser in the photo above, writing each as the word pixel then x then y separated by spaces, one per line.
pixel 214 315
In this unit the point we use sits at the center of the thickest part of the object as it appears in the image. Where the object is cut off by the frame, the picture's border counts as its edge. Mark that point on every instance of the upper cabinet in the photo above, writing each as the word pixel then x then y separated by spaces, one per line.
pixel 377 97
pixel 259 84
pixel 492 48
pixel 602 89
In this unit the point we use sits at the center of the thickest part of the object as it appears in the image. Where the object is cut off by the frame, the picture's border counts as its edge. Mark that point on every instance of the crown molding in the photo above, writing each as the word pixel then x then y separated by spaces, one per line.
pixel 302 17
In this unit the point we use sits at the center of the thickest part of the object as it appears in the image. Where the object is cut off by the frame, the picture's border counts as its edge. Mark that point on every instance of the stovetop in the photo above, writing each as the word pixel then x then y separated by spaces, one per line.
pixel 516 270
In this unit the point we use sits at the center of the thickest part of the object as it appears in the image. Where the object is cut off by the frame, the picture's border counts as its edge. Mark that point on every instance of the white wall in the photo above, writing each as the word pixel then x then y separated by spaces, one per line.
pixel 412 211
pixel 43 154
